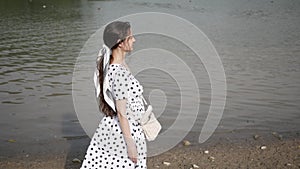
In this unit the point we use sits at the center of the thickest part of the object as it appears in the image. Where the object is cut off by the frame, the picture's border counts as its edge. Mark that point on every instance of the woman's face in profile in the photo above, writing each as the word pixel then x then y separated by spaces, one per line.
pixel 128 42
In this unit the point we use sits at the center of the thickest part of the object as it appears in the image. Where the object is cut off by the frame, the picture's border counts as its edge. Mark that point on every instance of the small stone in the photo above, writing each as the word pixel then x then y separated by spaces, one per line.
pixel 44 6
pixel 27 155
pixel 288 164
pixel 157 166
pixel 256 137
pixel 206 152
pixel 166 163
pixel 263 147
pixel 186 143
pixel 195 166
pixel 275 134
pixel 76 160
pixel 212 158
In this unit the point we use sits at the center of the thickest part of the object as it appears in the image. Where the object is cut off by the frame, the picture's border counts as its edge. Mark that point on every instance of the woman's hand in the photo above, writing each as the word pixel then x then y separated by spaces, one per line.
pixel 132 152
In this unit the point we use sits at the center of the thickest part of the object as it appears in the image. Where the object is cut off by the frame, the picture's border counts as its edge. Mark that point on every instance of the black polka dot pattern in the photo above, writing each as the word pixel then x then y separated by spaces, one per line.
pixel 107 148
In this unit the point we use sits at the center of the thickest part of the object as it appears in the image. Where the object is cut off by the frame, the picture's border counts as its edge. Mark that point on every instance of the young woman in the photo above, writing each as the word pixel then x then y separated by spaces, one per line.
pixel 119 141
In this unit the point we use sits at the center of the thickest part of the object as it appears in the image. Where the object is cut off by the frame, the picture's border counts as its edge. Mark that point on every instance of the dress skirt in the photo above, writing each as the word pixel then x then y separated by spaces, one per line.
pixel 108 149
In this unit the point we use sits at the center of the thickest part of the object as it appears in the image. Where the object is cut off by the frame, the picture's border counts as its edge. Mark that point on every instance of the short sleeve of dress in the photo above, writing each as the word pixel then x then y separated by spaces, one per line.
pixel 120 84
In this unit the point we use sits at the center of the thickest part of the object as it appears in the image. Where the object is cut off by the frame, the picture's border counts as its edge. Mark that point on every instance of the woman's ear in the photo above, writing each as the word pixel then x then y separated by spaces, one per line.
pixel 120 45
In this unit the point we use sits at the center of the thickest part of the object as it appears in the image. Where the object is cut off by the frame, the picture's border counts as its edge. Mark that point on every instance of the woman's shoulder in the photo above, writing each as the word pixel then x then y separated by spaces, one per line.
pixel 118 69
pixel 114 67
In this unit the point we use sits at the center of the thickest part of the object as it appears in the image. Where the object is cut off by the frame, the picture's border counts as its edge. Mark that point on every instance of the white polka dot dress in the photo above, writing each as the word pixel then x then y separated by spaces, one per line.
pixel 107 148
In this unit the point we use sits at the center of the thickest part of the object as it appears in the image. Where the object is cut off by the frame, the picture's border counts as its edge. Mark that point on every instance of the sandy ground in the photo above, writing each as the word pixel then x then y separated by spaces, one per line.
pixel 284 154
pixel 249 153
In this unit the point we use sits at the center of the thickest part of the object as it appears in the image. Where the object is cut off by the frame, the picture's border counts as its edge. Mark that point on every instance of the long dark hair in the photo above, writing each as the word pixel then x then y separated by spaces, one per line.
pixel 114 33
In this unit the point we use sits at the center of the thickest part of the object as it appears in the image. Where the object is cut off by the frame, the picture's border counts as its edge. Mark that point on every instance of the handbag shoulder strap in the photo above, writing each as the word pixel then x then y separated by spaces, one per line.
pixel 144 100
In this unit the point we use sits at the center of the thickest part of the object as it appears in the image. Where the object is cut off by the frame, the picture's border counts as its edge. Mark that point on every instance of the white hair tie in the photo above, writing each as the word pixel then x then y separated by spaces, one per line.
pixel 106 53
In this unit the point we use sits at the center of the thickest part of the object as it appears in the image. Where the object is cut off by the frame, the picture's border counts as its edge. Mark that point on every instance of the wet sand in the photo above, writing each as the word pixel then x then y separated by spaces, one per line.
pixel 263 151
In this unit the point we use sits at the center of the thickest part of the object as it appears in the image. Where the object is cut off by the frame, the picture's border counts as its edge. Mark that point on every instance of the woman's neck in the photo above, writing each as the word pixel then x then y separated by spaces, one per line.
pixel 118 57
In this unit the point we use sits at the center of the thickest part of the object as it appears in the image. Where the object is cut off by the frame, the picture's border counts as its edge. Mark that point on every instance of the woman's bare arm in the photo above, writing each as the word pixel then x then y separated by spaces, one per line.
pixel 124 124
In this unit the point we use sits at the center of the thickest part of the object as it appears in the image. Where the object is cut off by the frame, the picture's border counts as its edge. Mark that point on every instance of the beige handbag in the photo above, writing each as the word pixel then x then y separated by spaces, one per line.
pixel 149 123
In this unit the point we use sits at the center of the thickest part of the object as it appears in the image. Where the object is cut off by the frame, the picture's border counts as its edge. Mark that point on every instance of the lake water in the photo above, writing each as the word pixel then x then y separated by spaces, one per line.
pixel 258 43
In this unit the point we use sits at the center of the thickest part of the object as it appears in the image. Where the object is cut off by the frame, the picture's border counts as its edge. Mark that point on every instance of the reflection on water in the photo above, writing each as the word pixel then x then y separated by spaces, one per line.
pixel 38 48
pixel 40 42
